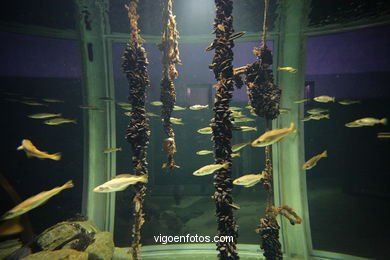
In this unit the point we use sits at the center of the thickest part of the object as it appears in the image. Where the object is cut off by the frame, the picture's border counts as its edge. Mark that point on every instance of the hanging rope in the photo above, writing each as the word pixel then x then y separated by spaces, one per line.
pixel 170 49
pixel 134 66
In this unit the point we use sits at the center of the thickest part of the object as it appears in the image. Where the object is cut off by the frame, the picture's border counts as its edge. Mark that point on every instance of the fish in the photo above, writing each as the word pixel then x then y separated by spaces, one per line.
pixel 128 108
pixel 283 110
pixel 244 128
pixel 204 152
pixel 209 169
pixel 31 151
pixel 248 107
pixel 383 135
pixel 120 182
pixel 367 121
pixel 234 155
pixel 314 111
pixel 313 161
pixel 288 69
pixel 301 101
pixel 149 114
pixel 11 227
pixel 106 99
pixel 324 99
pixel 235 108
pixel 178 108
pixel 316 117
pixel 43 115
pixel 205 131
pixel 237 114
pixel 236 36
pixel 123 104
pixel 243 119
pixel 199 107
pixel 111 150
pixel 349 102
pixel 156 103
pixel 59 121
pixel 52 100
pixel 239 146
pixel 34 201
pixel 127 113
pixel 88 107
pixel 249 180
pixel 273 136
pixel 32 103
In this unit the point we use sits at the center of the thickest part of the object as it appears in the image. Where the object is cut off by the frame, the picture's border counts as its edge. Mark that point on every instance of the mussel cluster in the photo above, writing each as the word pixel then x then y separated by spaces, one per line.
pixel 222 126
pixel 134 66
pixel 269 232
pixel 170 48
pixel 264 95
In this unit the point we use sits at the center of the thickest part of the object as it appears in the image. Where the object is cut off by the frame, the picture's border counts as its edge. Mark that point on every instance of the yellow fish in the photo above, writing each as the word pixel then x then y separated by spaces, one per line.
pixel 209 169
pixel 301 101
pixel 11 227
pixel 273 136
pixel 316 117
pixel 127 113
pixel 120 182
pixel 383 135
pixel 43 115
pixel 249 180
pixel 283 111
pixel 235 108
pixel 243 119
pixel 156 103
pixel 32 151
pixel 239 146
pixel 52 100
pixel 123 104
pixel 128 108
pixel 314 111
pixel 151 114
pixel 205 131
pixel 237 114
pixel 199 107
pixel 324 99
pixel 32 103
pixel 59 121
pixel 349 102
pixel 288 69
pixel 235 155
pixel 313 161
pixel 35 201
pixel 110 150
pixel 245 128
pixel 204 152
pixel 367 121
pixel 178 108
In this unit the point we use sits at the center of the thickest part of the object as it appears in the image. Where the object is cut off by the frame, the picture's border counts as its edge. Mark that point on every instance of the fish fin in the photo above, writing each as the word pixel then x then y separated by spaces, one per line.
pixel 292 127
pixel 68 184
pixel 56 156
pixel 384 121
pixel 123 175
pixel 20 148
pixel 325 153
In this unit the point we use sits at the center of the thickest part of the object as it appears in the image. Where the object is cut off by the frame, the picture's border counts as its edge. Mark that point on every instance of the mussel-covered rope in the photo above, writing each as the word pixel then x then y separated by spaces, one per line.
pixel 134 66
pixel 170 48
pixel 222 126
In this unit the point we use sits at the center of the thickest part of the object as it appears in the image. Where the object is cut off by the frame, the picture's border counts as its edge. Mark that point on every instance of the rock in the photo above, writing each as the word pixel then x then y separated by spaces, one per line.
pixel 68 254
pixel 102 248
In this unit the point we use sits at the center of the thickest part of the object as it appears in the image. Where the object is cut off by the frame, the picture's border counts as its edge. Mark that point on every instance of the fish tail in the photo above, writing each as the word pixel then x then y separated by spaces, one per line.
pixel 68 184
pixel 226 165
pixel 20 148
pixel 292 128
pixel 384 121
pixel 120 149
pixel 143 178
pixel 74 121
pixel 325 153
pixel 56 156
pixel 59 115
pixel 333 99
pixel 327 116
pixel 255 128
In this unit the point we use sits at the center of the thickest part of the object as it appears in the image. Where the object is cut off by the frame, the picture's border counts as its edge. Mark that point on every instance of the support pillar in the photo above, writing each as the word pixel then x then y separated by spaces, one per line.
pixel 99 127
pixel 290 180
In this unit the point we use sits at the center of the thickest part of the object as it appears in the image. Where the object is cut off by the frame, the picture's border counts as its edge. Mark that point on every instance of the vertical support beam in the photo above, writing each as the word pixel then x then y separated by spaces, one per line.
pixel 99 130
pixel 290 181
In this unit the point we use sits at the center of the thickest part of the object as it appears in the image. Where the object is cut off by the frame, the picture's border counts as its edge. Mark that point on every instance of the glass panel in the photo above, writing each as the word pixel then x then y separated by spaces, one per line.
pixel 177 202
pixel 348 191
pixel 34 71
pixel 58 14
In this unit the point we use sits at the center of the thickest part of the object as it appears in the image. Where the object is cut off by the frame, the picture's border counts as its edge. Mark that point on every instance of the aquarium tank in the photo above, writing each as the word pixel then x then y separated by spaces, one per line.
pixel 195 129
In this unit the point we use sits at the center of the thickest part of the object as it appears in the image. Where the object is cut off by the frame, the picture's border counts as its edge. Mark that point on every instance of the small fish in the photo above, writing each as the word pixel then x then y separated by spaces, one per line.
pixel 111 150
pixel 237 114
pixel 128 108
pixel 301 101
pixel 127 113
pixel 249 180
pixel 156 103
pixel 88 107
pixel 178 108
pixel 319 116
pixel 120 182
pixel 245 128
pixel 106 99
pixel 59 121
pixel 149 114
pixel 35 201
pixel 205 131
pixel 383 135
pixel 288 69
pixel 32 151
pixel 43 115
pixel 249 107
pixel 273 136
pixel 243 119
pixel 204 152
pixel 313 161
pixel 283 111
pixel 239 146
pixel 367 121
pixel 123 104
pixel 52 100
pixel 234 155
pixel 209 169
pixel 32 103
pixel 314 111
pixel 235 108
pixel 199 107
pixel 234 205
pixel 11 227
pixel 348 102
pixel 324 99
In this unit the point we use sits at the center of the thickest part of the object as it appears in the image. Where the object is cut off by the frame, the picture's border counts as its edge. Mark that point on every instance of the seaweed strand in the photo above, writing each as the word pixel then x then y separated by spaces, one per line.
pixel 134 66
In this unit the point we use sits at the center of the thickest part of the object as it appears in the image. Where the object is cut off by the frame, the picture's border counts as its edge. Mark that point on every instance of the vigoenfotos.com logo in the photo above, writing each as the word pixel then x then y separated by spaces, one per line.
pixel 162 239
